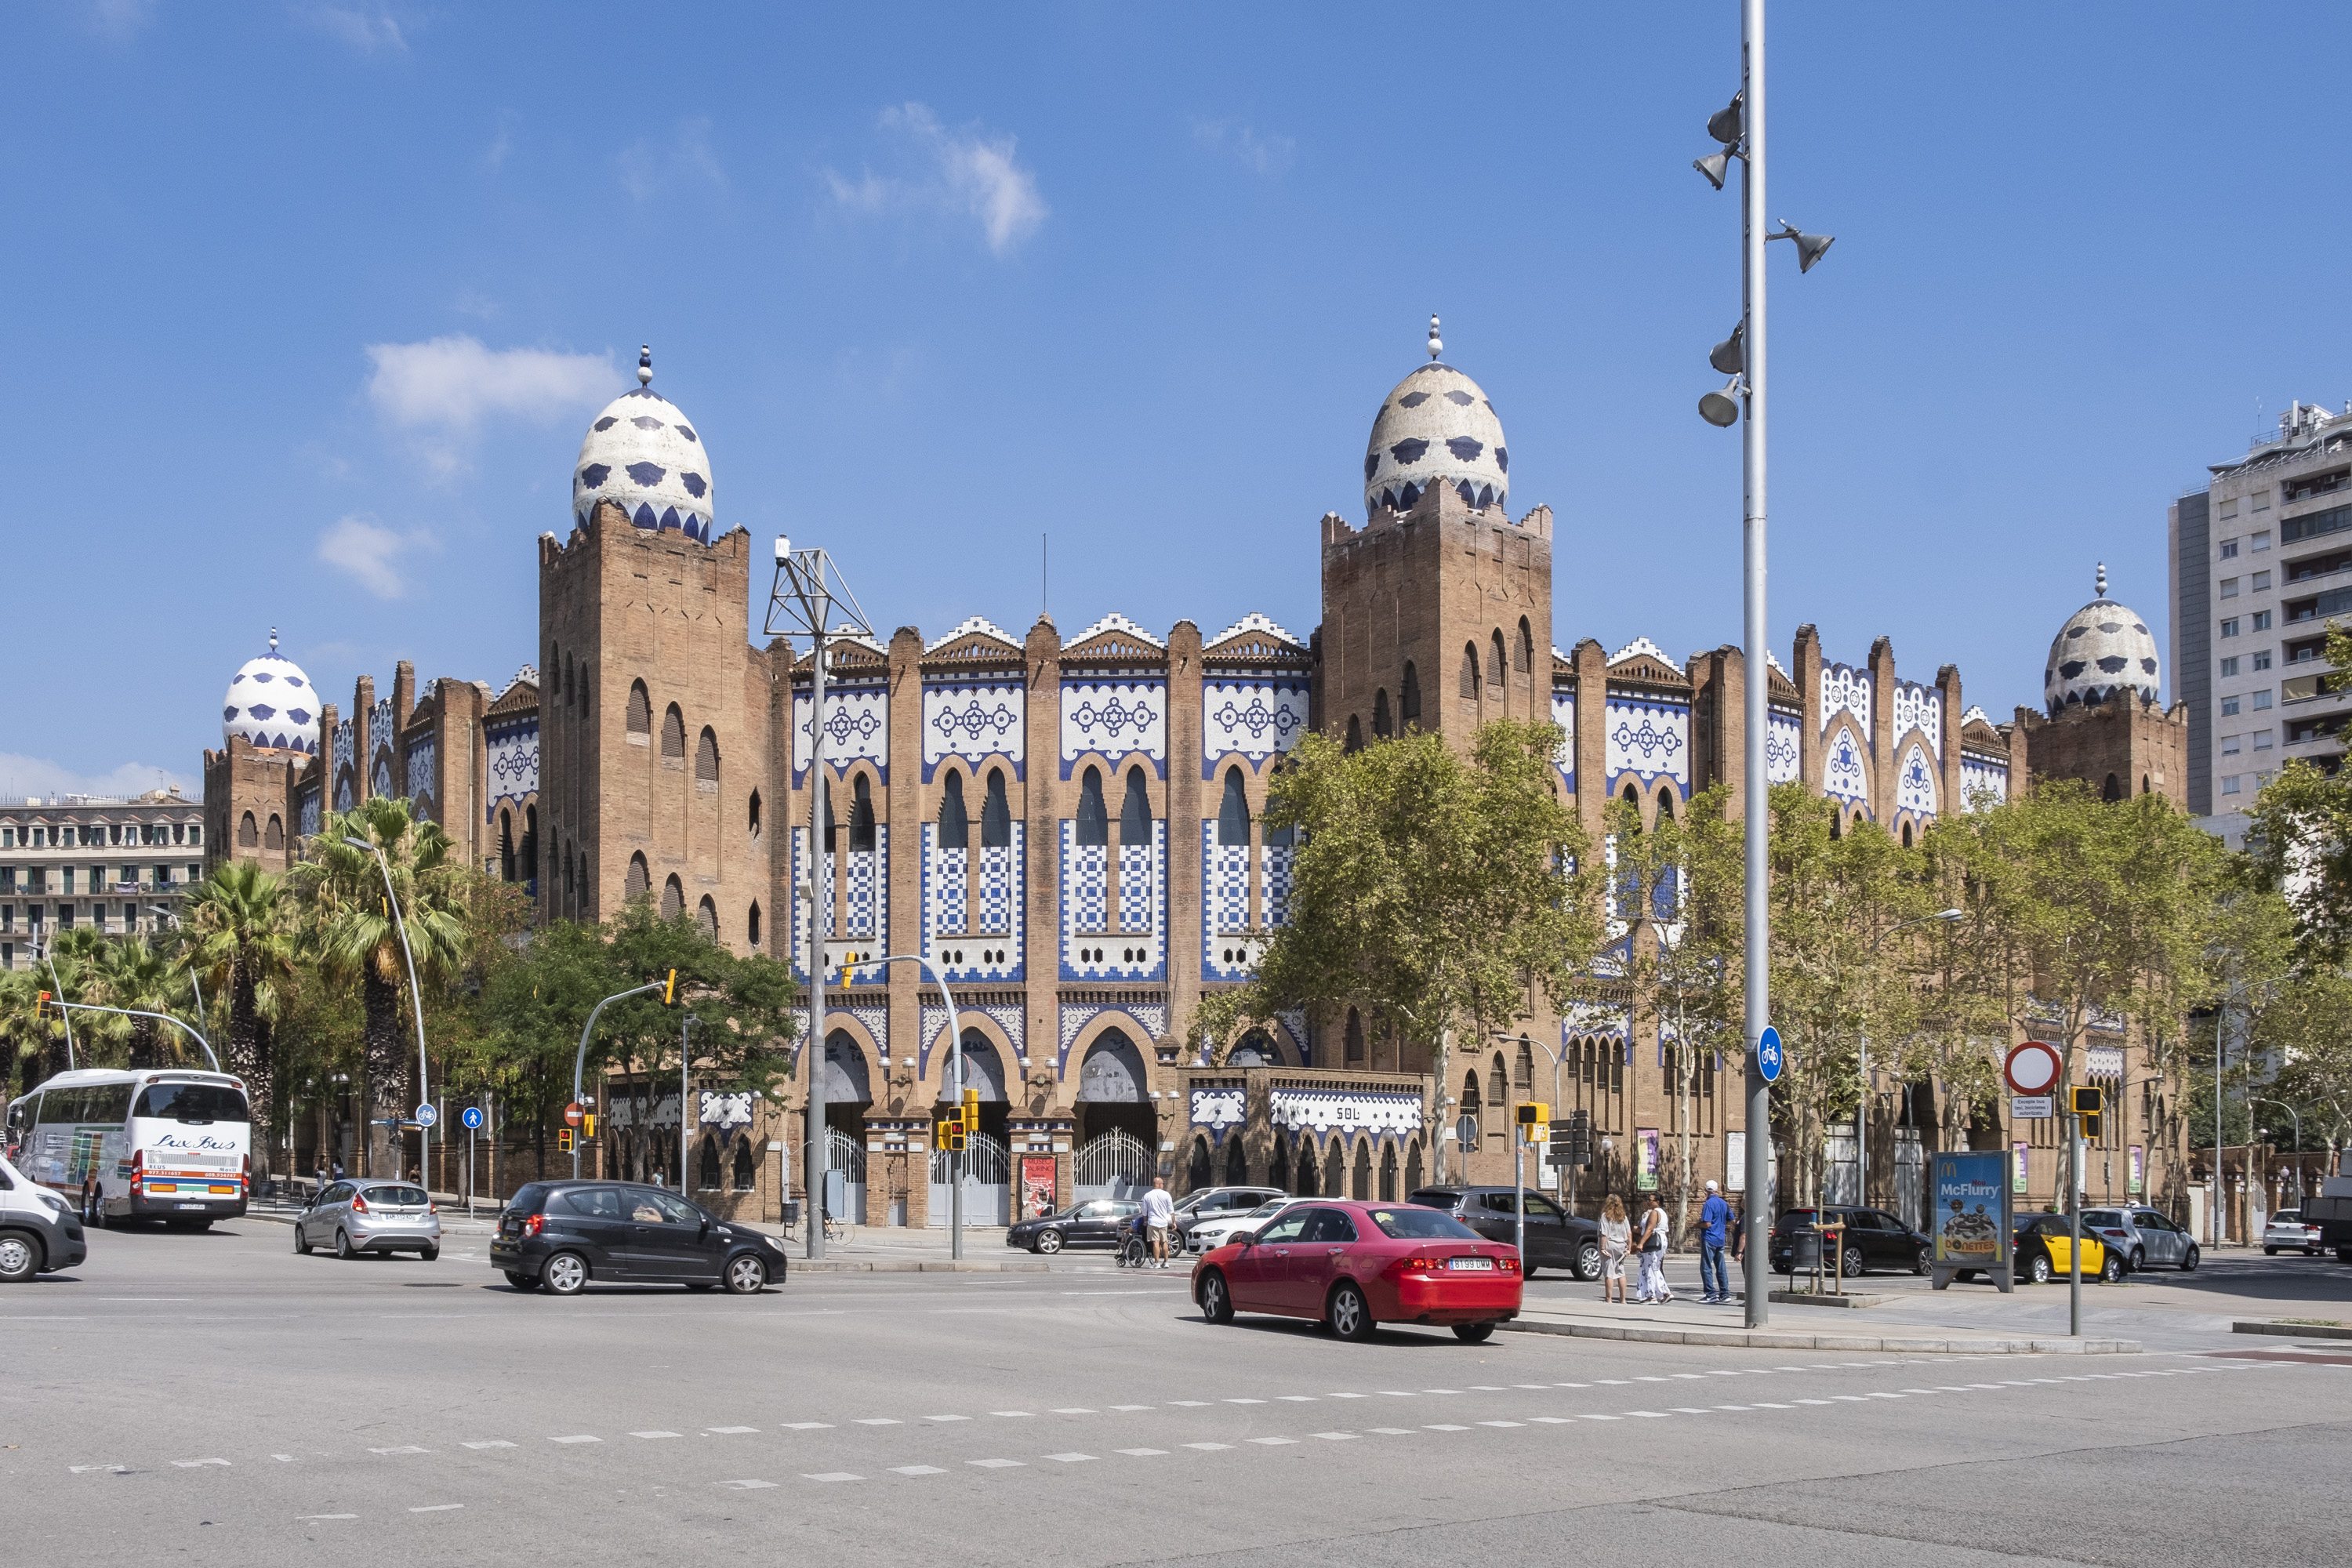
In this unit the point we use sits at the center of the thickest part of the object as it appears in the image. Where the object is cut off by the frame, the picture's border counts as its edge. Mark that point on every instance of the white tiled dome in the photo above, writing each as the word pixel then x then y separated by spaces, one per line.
pixel 2103 651
pixel 645 454
pixel 272 703
pixel 1435 428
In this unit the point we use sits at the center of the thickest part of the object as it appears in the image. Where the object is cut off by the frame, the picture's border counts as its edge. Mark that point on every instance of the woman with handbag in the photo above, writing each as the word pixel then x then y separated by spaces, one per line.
pixel 1654 1255
pixel 1616 1241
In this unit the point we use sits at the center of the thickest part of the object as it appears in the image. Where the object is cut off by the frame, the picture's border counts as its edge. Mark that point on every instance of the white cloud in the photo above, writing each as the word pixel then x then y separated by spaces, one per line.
pixel 369 32
pixel 967 173
pixel 685 161
pixel 452 382
pixel 372 554
pixel 1265 155
pixel 118 21
pixel 21 775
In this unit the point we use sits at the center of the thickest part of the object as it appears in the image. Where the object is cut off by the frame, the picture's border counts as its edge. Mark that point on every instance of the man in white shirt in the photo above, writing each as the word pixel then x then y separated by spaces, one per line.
pixel 1158 1214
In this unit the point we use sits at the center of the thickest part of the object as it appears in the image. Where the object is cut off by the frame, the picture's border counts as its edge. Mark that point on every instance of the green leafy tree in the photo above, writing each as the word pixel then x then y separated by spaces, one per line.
pixel 2308 1031
pixel 236 935
pixel 1438 890
pixel 133 973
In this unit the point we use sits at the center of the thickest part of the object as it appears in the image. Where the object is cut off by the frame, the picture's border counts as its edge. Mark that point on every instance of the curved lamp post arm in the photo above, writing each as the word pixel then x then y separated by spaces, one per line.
pixel 70 1058
pixel 955 1074
pixel 188 1029
pixel 581 1056
pixel 416 997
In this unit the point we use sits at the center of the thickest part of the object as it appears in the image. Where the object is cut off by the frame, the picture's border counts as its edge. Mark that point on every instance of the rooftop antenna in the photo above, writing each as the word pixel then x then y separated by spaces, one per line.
pixel 1044 578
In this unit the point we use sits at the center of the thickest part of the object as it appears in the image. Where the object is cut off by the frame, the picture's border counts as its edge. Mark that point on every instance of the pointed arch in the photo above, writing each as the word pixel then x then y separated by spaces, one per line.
pixel 1495 667
pixel 955 821
pixel 706 757
pixel 995 815
pixel 673 738
pixel 1094 816
pixel 673 901
pixel 1470 671
pixel 1135 810
pixel 1409 698
pixel 754 813
pixel 639 880
pixel 1233 812
pixel 706 915
pixel 861 814
pixel 751 925
pixel 1381 728
pixel 1526 660
pixel 1355 742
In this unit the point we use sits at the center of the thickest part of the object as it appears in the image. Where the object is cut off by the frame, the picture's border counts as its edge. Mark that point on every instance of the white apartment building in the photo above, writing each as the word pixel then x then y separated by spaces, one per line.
pixel 2261 562
pixel 116 865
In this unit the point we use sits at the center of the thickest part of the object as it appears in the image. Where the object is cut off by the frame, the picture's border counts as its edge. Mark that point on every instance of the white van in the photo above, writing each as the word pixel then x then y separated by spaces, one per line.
pixel 154 1143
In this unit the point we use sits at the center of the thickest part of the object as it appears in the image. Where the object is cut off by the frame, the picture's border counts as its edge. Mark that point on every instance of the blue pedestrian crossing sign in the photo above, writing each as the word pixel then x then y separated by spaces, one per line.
pixel 426 1115
pixel 1769 1061
pixel 472 1117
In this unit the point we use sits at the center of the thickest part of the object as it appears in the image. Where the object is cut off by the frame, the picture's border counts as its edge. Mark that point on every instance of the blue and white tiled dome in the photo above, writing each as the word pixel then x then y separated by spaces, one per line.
pixel 1435 429
pixel 645 454
pixel 271 703
pixel 2101 652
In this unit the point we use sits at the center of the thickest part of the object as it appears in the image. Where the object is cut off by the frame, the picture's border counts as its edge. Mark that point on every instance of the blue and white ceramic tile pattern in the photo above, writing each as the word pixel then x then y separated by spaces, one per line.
pixel 1274 888
pixel 1253 719
pixel 1146 1024
pixel 1914 786
pixel 1920 708
pixel 947 886
pixel 1219 1109
pixel 1984 781
pixel 1002 875
pixel 948 929
pixel 422 754
pixel 270 702
pixel 644 453
pixel 345 769
pixel 1594 1021
pixel 1563 713
pixel 380 721
pixel 1648 742
pixel 1143 910
pixel 306 814
pixel 1086 882
pixel 865 880
pixel 1139 882
pixel 1224 902
pixel 857 729
pixel 1117 719
pixel 973 720
pixel 1845 690
pixel 2104 652
pixel 380 774
pixel 1294 1024
pixel 874 1017
pixel 1846 771
pixel 1435 428
pixel 1783 751
pixel 513 747
pixel 1012 1019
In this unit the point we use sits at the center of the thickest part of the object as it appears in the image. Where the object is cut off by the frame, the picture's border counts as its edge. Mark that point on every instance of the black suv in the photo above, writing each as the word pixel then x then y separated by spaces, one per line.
pixel 1556 1238
pixel 1874 1239
pixel 558 1236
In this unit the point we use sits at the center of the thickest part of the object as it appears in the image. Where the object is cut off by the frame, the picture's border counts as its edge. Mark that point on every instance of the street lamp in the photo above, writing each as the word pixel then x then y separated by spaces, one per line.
pixel 1738 130
pixel 189 1029
pixel 416 997
pixel 2252 1100
pixel 60 993
pixel 954 1086
pixel 1861 1111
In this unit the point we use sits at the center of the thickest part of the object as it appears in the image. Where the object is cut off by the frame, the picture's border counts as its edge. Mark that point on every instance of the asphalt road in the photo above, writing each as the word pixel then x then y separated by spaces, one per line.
pixel 215 1399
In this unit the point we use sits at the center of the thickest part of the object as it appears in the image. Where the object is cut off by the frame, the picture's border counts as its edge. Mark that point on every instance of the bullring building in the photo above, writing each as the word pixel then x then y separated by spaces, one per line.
pixel 1071 827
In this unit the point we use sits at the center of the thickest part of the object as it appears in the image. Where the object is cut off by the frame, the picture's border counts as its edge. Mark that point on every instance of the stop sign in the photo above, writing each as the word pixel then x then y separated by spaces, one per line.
pixel 574 1115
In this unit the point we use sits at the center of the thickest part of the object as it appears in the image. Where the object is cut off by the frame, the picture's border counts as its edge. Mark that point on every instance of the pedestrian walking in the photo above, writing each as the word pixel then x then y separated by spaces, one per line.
pixel 1616 1241
pixel 1714 1236
pixel 319 1177
pixel 1655 1288
pixel 1158 1214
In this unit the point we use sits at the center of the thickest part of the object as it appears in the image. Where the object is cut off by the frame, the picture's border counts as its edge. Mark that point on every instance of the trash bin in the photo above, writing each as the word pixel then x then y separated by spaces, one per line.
pixel 1805 1255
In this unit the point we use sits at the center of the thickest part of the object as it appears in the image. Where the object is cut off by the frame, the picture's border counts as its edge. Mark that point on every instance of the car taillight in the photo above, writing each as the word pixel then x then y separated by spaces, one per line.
pixel 245 1172
pixel 359 1204
pixel 533 1224
pixel 138 1168
pixel 432 1207
pixel 1412 1266
pixel 1510 1264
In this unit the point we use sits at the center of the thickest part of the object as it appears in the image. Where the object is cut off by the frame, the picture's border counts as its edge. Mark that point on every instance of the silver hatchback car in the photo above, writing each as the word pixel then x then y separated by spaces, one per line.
pixel 365 1216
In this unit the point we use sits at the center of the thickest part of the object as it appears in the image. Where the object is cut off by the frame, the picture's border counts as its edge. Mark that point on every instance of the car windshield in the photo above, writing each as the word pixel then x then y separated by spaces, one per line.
pixel 394 1197
pixel 192 1102
pixel 1421 1225
pixel 1265 1208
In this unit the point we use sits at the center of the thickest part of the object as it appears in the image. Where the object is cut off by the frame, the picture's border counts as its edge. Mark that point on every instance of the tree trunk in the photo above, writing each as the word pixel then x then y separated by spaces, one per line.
pixel 248 1057
pixel 380 1035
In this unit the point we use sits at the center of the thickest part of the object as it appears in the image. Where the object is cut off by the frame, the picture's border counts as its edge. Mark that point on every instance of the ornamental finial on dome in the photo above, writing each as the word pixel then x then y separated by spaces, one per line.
pixel 2102 579
pixel 644 364
pixel 1437 344
pixel 273 639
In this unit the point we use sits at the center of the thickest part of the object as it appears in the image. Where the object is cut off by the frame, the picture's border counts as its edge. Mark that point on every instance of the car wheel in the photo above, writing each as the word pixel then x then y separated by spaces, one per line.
pixel 564 1274
pixel 19 1259
pixel 746 1275
pixel 2188 1261
pixel 429 1251
pixel 2138 1259
pixel 2111 1270
pixel 1588 1261
pixel 1851 1264
pixel 519 1280
pixel 301 1240
pixel 1926 1256
pixel 1049 1241
pixel 93 1207
pixel 2038 1271
pixel 344 1245
pixel 1348 1314
pixel 1216 1299
pixel 1474 1333
pixel 2270 1252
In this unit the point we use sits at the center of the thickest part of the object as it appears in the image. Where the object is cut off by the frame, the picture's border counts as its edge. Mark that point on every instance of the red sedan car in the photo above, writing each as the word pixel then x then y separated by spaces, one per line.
pixel 1358 1265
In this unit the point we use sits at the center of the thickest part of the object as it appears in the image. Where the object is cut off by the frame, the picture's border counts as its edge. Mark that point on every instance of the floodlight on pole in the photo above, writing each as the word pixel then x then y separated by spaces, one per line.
pixel 1721 409
pixel 1714 167
pixel 1730 355
pixel 1811 247
pixel 1728 124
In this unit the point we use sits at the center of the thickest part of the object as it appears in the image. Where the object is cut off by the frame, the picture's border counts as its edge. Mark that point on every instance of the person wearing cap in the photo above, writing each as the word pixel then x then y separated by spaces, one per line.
pixel 1714 1233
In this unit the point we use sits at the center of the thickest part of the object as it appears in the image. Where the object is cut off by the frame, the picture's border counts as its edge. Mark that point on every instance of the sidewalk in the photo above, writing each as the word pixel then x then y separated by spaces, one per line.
pixel 1791 1328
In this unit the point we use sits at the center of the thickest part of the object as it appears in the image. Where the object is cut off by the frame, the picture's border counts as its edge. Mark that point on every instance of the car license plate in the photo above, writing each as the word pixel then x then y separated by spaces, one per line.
pixel 191 1206
pixel 1486 1263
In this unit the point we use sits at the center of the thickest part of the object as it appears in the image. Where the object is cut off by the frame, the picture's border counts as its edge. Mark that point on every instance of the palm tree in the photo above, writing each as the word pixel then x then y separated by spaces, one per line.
pixel 236 936
pixel 133 973
pixel 73 972
pixel 354 939
pixel 23 1035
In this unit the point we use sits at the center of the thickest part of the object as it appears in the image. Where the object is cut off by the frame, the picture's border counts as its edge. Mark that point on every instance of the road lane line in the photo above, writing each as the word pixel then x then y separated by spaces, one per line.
pixel 1209 1448
pixel 493 1443
pixel 833 1476
pixel 1071 1459
pixel 1144 1453
pixel 650 1435
pixel 995 1464
pixel 576 1437
pixel 917 1470
pixel 436 1508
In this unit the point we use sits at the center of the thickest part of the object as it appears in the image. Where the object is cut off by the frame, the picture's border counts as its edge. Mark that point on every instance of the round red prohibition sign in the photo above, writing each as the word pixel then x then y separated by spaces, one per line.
pixel 2033 1067
pixel 572 1115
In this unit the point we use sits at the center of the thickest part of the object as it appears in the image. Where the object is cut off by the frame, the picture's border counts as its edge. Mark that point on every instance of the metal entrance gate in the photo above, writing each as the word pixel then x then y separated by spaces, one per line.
pixel 1118 1165
pixel 987 1184
pixel 845 1164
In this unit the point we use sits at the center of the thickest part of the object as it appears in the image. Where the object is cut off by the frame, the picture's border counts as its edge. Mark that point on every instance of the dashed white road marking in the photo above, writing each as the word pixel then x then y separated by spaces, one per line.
pixel 1444 1427
pixel 917 1470
pixel 577 1438
pixel 1502 1422
pixel 947 1417
pixel 868 1420
pixel 1299 1399
pixel 650 1435
pixel 108 1469
pixel 994 1463
pixel 198 1464
pixel 492 1443
pixel 1334 1436
pixel 1013 1413
pixel 1273 1442
pixel 1130 1408
pixel 1209 1448
pixel 1143 1453
pixel 808 1426
pixel 1244 1402
pixel 404 1448
pixel 1648 1415
pixel 1188 1404
pixel 748 1486
pixel 833 1476
pixel 1394 1431
pixel 306 1518
pixel 1348 1396
pixel 436 1508
pixel 1071 1459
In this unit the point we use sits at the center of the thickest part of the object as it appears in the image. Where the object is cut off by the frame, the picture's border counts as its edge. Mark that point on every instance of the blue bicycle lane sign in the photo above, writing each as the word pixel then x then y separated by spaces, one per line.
pixel 1769 1059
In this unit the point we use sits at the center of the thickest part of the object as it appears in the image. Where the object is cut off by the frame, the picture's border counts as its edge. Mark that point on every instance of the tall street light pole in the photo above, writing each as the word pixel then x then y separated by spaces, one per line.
pixel 1740 130
pixel 47 958
pixel 808 598
pixel 954 1084
pixel 415 998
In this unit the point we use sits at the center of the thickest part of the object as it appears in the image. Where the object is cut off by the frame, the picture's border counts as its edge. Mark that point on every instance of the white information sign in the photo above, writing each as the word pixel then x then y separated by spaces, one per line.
pixel 2031 1106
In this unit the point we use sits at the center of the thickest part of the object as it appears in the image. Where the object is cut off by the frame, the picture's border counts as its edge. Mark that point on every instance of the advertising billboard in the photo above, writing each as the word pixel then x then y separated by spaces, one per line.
pixel 1970 1217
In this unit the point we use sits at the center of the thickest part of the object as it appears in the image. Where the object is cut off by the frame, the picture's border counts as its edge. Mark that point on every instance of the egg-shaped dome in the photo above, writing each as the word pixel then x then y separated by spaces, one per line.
pixel 2103 652
pixel 645 454
pixel 1436 427
pixel 271 703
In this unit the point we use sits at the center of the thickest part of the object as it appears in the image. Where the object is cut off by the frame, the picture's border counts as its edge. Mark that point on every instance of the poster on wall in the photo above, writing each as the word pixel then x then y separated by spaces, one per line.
pixel 1036 1185
pixel 1645 1153
pixel 2017 1173
pixel 2137 1173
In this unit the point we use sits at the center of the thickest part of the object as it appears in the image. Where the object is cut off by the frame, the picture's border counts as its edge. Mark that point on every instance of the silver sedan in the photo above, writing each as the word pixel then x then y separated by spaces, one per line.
pixel 365 1215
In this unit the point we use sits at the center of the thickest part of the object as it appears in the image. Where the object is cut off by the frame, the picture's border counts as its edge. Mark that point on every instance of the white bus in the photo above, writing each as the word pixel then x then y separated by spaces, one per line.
pixel 152 1144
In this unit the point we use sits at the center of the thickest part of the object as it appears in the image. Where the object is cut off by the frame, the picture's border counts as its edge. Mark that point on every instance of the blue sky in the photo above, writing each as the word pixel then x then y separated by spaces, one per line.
pixel 312 302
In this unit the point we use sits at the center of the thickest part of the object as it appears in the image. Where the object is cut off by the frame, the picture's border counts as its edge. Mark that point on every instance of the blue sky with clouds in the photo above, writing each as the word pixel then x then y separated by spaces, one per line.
pixel 312 303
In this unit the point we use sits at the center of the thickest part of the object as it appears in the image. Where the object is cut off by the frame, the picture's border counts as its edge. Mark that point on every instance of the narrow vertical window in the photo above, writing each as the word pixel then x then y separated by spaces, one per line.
pixel 1494 666
pixel 995 816
pixel 1380 729
pixel 1409 696
pixel 1094 818
pixel 1526 647
pixel 1233 814
pixel 955 824
pixel 1470 671
pixel 861 814
pixel 1135 811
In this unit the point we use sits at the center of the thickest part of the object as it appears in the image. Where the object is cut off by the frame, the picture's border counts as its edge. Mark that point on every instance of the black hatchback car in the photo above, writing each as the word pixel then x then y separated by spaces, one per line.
pixel 558 1236
pixel 1874 1239
pixel 1556 1238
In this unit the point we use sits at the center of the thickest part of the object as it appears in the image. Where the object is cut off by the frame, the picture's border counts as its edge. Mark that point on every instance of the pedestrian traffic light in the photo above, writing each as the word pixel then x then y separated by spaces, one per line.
pixel 588 1125
pixel 2086 1097
pixel 950 1132
pixel 1534 1121
pixel 563 1139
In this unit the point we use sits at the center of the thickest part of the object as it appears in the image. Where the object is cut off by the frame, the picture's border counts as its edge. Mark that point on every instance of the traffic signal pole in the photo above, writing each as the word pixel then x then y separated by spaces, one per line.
pixel 955 1087
pixel 581 1057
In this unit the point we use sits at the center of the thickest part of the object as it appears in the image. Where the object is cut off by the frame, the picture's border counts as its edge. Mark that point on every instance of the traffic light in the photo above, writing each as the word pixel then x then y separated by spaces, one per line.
pixel 588 1125
pixel 563 1140
pixel 1534 1119
pixel 1572 1140
pixel 2086 1097
pixel 669 989
pixel 971 1110
pixel 949 1131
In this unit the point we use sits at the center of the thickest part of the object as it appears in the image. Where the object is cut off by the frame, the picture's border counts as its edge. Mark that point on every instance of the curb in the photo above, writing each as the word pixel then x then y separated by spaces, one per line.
pixel 1767 1339
pixel 2295 1330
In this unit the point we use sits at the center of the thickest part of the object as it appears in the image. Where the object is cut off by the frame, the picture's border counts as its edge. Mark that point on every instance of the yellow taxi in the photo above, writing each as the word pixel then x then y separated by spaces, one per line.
pixel 2045 1251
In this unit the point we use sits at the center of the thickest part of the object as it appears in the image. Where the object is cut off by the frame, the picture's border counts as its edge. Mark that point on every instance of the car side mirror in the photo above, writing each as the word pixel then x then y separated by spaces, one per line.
pixel 1243 1238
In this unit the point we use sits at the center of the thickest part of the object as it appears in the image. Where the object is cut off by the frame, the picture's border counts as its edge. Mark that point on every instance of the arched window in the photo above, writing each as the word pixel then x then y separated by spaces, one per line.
pixel 673 732
pixel 1526 662
pixel 706 915
pixel 1470 671
pixel 744 1177
pixel 1497 1091
pixel 1409 698
pixel 1665 805
pixel 530 844
pixel 1523 1072
pixel 638 882
pixel 861 814
pixel 1277 1174
pixel 706 1175
pixel 955 824
pixel 1233 812
pixel 706 757
pixel 1362 1189
pixel 1094 818
pixel 1196 1166
pixel 1837 823
pixel 755 813
pixel 1334 1166
pixel 1135 811
pixel 555 669
pixel 1412 1168
pixel 1907 836
pixel 571 676
pixel 580 692
pixel 831 828
pixel 1236 1162
pixel 1355 1035
pixel 995 816
pixel 1470 1096
pixel 1307 1180
pixel 2111 790
pixel 1355 741
pixel 274 835
pixel 1387 1173
pixel 2142 785
pixel 640 710
pixel 506 845
pixel 1380 729
pixel 672 903
pixel 570 887
pixel 248 833
pixel 752 924
pixel 1494 666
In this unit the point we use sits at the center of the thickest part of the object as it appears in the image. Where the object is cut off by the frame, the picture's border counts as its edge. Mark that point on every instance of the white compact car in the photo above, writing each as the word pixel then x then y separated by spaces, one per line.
pixel 1222 1229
